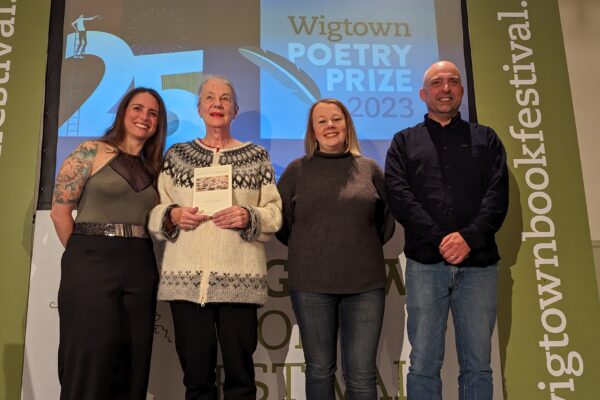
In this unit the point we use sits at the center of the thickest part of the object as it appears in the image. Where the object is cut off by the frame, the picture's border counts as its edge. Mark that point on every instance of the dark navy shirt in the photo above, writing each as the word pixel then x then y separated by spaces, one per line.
pixel 448 179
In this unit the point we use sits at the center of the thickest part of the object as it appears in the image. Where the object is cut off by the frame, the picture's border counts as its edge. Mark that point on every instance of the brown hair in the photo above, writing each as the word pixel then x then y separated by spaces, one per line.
pixel 310 140
pixel 153 149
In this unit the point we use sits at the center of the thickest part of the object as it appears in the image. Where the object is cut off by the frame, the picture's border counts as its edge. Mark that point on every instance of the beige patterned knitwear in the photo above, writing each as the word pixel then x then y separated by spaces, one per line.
pixel 210 264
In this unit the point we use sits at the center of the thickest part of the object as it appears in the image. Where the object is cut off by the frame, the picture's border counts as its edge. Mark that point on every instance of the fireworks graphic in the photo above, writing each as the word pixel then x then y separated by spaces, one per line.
pixel 156 30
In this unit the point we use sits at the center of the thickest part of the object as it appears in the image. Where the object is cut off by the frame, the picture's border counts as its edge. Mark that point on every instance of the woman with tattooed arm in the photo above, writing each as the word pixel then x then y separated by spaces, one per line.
pixel 107 293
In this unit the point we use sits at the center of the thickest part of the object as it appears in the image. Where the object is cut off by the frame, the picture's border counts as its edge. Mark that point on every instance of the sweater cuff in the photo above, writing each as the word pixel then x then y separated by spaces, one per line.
pixel 472 237
pixel 169 229
pixel 251 231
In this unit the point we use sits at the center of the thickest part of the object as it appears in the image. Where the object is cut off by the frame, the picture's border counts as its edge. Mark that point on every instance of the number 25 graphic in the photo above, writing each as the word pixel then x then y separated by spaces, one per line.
pixel 174 75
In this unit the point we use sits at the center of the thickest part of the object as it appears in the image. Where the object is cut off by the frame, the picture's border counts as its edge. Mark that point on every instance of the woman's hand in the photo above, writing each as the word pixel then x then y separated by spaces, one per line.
pixel 187 218
pixel 234 217
pixel 63 221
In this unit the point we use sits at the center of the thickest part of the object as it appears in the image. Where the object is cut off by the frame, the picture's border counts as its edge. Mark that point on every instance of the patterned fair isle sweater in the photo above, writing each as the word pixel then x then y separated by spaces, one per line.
pixel 210 264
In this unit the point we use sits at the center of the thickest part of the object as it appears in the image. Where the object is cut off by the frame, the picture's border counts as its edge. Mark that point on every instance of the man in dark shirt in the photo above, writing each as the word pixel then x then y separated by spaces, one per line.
pixel 447 184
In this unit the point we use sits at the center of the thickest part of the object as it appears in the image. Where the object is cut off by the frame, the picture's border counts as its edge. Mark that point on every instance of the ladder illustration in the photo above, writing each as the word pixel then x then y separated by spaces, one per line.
pixel 73 121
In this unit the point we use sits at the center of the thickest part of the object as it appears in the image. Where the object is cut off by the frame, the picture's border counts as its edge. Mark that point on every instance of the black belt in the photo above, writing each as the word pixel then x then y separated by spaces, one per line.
pixel 121 230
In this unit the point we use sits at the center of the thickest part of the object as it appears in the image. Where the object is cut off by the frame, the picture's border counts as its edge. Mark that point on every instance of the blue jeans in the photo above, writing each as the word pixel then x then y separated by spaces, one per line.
pixel 359 317
pixel 431 290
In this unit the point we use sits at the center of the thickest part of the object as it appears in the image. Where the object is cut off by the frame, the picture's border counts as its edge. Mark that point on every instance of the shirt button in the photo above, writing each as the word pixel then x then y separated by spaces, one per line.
pixel 449 186
pixel 445 147
pixel 447 167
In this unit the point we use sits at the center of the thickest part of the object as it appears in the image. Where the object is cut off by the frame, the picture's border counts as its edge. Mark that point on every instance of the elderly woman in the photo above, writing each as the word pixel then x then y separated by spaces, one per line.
pixel 335 224
pixel 214 268
pixel 107 293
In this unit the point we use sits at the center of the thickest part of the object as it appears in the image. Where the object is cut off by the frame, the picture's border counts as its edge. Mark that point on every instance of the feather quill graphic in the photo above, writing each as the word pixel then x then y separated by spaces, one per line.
pixel 285 72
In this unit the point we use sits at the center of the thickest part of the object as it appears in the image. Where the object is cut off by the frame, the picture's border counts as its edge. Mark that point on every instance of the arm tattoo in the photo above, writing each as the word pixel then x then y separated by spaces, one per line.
pixel 74 174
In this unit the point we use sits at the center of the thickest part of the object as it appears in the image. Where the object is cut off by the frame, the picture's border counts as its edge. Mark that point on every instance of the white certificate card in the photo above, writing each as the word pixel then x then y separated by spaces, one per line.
pixel 212 189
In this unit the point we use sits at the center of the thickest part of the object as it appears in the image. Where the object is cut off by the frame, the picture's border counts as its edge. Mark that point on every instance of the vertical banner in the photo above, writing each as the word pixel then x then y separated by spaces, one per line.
pixel 23 45
pixel 549 314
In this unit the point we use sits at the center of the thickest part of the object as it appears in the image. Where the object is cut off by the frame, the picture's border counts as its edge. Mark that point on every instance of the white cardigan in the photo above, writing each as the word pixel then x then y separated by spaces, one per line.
pixel 210 264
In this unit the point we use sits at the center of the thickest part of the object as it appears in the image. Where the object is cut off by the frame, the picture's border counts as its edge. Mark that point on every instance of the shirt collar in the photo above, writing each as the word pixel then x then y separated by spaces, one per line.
pixel 434 124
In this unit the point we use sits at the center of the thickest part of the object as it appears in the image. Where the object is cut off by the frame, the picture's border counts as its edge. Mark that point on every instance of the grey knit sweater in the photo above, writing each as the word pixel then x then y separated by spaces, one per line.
pixel 335 223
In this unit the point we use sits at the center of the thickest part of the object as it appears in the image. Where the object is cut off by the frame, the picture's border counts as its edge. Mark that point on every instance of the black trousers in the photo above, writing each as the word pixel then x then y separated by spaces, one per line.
pixel 197 330
pixel 107 305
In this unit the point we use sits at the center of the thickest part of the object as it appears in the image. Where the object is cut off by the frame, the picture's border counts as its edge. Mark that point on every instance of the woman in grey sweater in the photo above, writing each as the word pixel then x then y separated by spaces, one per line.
pixel 335 223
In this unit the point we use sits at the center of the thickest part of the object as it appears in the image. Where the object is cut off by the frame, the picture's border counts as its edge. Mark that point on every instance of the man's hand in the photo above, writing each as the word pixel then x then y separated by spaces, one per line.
pixel 454 249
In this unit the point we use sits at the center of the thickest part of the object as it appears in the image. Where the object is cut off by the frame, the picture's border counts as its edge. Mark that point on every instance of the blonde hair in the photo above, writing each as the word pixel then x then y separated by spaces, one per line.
pixel 310 140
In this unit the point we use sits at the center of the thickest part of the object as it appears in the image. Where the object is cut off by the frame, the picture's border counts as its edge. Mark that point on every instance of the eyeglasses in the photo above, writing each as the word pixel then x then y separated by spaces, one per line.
pixel 336 119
